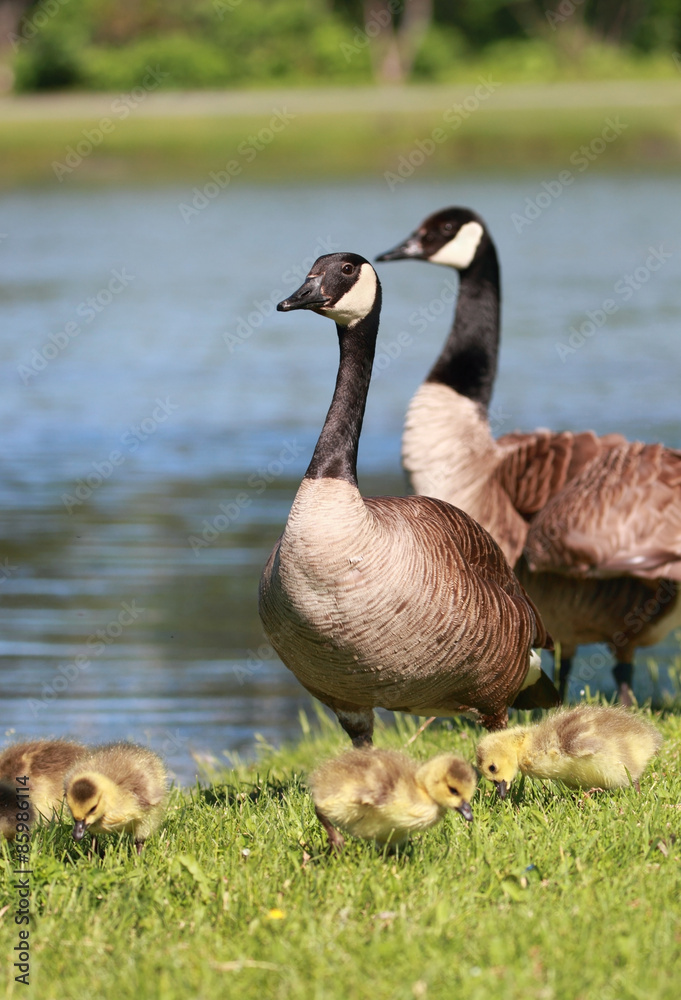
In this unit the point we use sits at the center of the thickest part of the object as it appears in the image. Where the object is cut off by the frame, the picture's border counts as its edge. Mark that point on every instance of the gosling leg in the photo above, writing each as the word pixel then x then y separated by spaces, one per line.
pixel 336 840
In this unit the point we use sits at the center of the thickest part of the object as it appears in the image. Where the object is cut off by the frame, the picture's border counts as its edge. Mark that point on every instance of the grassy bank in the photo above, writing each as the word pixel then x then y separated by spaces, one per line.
pixel 355 132
pixel 548 895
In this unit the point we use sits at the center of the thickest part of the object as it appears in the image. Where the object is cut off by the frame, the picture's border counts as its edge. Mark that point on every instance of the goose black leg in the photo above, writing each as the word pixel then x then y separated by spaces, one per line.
pixel 564 677
pixel 358 724
pixel 623 674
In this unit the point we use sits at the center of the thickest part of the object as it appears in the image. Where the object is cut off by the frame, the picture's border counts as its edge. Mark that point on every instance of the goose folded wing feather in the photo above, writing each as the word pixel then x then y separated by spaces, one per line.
pixel 622 515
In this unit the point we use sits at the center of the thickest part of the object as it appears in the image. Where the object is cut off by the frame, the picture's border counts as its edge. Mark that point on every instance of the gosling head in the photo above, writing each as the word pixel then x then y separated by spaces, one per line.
pixel 342 286
pixel 450 782
pixel 497 756
pixel 453 237
pixel 86 797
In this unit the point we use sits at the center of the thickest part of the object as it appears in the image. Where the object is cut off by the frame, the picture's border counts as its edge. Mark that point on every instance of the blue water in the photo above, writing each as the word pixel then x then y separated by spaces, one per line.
pixel 151 395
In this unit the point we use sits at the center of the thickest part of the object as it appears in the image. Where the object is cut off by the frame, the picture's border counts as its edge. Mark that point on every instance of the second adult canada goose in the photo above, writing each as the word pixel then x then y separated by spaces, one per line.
pixel 399 602
pixel 118 788
pixel 33 773
pixel 449 452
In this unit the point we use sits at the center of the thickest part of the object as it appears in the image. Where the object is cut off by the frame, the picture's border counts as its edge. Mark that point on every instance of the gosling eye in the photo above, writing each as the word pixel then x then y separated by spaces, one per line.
pixel 90 811
pixel 454 791
pixel 347 268
pixel 492 769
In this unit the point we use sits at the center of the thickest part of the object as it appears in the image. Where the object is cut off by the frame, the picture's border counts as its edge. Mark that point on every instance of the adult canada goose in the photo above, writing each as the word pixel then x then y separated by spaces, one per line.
pixel 385 796
pixel 118 788
pixel 584 747
pixel 399 602
pixel 449 452
pixel 33 773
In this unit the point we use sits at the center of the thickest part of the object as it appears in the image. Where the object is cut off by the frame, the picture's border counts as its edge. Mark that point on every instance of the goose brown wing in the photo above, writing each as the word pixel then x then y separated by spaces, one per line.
pixel 535 467
pixel 620 516
pixel 457 541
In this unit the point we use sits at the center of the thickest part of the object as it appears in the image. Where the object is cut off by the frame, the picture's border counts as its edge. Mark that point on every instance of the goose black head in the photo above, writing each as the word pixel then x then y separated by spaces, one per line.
pixel 453 237
pixel 342 286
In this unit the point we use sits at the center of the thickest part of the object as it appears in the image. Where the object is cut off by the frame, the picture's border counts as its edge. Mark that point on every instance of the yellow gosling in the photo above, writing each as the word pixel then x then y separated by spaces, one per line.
pixel 590 746
pixel 43 763
pixel 385 796
pixel 118 788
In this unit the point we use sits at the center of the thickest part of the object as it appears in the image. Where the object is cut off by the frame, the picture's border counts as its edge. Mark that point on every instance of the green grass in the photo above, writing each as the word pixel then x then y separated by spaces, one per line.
pixel 524 129
pixel 546 895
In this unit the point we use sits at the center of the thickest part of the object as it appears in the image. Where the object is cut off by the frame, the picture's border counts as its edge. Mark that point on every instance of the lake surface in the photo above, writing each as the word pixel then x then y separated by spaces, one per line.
pixel 157 415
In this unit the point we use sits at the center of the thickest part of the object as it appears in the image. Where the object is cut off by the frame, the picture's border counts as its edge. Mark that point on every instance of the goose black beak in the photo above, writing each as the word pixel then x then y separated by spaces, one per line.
pixel 466 811
pixel 79 829
pixel 308 296
pixel 502 789
pixel 412 247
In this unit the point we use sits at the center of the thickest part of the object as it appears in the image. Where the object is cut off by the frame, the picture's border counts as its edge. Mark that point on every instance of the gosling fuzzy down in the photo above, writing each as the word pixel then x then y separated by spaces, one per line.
pixel 385 796
pixel 33 772
pixel 590 746
pixel 118 788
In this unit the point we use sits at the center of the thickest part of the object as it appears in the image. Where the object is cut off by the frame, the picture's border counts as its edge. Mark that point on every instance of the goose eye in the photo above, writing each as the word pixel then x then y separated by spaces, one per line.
pixel 347 268
pixel 454 791
pixel 492 768
pixel 447 227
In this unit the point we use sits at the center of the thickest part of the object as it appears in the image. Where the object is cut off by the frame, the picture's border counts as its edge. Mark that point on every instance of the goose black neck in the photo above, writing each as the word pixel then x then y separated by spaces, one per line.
pixel 335 456
pixel 468 361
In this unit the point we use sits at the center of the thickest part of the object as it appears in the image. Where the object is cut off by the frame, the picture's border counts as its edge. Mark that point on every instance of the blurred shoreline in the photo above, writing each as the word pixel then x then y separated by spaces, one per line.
pixel 336 132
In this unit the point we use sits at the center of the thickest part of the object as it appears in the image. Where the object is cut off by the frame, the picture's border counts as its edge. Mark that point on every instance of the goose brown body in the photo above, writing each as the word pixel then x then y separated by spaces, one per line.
pixel 118 788
pixel 597 518
pixel 385 796
pixel 44 763
pixel 587 746
pixel 402 603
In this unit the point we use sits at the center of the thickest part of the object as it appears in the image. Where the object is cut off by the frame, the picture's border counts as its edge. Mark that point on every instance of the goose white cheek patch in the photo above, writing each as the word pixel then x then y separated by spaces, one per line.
pixel 460 251
pixel 358 301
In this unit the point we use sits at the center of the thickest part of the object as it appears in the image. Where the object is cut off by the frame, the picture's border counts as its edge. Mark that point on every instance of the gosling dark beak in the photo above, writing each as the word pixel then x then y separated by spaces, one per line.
pixel 308 296
pixel 502 789
pixel 466 811
pixel 412 247
pixel 79 829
